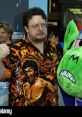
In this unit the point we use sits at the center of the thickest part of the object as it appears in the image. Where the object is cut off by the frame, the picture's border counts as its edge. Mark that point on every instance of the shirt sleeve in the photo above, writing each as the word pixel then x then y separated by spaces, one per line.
pixel 11 61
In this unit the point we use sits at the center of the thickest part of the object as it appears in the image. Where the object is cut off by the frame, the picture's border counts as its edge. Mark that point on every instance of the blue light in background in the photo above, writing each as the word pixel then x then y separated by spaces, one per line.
pixel 39 3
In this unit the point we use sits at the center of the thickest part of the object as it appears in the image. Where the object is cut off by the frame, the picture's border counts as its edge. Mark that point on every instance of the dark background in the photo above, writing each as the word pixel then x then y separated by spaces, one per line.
pixel 11 12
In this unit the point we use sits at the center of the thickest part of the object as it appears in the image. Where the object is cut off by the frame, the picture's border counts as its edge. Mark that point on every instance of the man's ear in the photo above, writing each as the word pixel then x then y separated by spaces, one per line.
pixel 26 29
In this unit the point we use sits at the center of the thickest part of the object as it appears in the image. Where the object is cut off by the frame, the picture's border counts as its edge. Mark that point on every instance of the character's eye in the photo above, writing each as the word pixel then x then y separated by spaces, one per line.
pixel 70 45
pixel 78 43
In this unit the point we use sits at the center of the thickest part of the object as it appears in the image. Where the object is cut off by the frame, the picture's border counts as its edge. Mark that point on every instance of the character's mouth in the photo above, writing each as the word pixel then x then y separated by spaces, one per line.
pixel 68 75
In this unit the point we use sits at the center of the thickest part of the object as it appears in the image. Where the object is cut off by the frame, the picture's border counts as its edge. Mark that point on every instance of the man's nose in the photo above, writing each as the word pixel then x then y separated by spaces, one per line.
pixel 40 26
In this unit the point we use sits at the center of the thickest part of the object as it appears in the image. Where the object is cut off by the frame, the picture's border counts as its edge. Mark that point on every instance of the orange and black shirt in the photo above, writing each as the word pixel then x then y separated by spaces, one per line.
pixel 22 51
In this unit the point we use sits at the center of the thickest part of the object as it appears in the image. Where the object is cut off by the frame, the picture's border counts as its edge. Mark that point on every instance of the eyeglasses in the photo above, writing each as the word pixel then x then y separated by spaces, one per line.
pixel 37 26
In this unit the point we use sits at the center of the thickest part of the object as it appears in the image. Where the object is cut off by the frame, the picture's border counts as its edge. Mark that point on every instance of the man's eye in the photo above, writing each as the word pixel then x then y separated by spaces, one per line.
pixel 37 25
pixel 44 25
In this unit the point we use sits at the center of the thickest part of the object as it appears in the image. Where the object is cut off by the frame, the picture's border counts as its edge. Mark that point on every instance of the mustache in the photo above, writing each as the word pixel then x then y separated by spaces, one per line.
pixel 40 33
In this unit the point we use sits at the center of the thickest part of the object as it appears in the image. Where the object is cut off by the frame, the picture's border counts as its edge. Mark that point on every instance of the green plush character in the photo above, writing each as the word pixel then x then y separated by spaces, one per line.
pixel 69 72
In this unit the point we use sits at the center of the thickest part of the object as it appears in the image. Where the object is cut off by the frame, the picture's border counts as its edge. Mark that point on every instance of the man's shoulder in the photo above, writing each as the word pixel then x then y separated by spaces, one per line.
pixel 18 44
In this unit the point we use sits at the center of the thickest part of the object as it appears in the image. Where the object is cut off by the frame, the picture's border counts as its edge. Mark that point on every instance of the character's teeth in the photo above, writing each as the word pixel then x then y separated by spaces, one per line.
pixel 67 75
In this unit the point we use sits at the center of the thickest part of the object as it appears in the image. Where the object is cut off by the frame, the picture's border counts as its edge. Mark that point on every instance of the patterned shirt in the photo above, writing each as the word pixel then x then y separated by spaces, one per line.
pixel 22 51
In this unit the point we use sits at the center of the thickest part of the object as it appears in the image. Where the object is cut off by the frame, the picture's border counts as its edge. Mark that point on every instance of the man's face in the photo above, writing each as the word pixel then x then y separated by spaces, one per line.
pixel 3 35
pixel 37 29
pixel 29 71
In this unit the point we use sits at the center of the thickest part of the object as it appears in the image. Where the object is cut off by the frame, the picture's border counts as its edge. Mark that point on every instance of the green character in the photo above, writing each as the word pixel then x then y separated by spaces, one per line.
pixel 69 72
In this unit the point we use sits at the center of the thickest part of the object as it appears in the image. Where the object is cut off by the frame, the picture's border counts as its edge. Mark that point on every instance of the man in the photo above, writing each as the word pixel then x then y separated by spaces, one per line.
pixel 35 47
pixel 5 41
